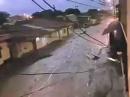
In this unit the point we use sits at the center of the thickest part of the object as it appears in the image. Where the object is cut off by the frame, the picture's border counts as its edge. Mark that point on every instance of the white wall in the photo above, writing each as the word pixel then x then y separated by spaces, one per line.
pixel 63 32
pixel 71 30
pixel 23 48
pixel 53 37
pixel 5 52
pixel 41 42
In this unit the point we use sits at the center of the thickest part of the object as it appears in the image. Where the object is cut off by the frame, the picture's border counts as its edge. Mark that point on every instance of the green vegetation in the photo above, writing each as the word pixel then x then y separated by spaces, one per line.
pixel 94 13
pixel 3 17
pixel 53 14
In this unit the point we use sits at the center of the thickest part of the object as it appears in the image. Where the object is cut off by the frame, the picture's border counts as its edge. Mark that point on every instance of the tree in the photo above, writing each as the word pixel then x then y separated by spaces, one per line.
pixel 3 17
pixel 72 11
pixel 37 14
pixel 93 13
pixel 58 12
pixel 47 14
pixel 43 14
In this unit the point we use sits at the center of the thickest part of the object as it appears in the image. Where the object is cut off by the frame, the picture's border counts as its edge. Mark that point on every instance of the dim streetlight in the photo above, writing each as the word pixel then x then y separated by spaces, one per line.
pixel 99 9
pixel 27 16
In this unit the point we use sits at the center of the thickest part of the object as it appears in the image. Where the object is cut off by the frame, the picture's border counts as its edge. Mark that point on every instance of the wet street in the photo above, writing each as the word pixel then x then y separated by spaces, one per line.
pixel 71 71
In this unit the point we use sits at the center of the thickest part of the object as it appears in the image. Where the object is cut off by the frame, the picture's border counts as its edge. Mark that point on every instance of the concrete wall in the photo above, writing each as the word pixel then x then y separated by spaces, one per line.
pixel 22 48
pixel 71 30
pixel 93 21
pixel 5 52
pixel 63 32
pixel 26 47
pixel 53 37
pixel 41 42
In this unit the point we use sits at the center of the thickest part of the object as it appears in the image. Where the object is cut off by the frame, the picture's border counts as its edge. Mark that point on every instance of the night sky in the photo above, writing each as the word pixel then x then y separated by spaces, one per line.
pixel 27 6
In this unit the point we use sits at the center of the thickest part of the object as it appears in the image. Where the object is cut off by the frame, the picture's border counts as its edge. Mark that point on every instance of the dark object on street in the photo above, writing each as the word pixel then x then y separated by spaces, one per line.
pixel 95 57
pixel 84 32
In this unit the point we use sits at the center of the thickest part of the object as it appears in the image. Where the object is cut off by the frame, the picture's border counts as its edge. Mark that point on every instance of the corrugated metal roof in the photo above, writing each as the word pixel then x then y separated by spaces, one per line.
pixel 48 23
pixel 24 31
pixel 4 35
pixel 32 28
pixel 38 27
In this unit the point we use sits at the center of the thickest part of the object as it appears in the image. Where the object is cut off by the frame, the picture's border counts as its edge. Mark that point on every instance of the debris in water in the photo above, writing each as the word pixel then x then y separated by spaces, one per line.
pixel 113 60
pixel 95 57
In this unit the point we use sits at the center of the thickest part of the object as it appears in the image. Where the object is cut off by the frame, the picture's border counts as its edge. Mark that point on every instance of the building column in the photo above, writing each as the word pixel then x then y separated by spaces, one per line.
pixel 12 49
pixel 34 44
pixel 68 32
pixel 59 35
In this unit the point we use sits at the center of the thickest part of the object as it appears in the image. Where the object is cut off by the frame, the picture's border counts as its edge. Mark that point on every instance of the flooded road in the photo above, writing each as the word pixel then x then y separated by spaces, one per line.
pixel 71 71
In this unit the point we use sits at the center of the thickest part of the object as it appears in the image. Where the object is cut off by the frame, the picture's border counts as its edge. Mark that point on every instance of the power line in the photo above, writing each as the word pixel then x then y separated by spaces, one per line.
pixel 82 3
pixel 53 7
pixel 92 37
pixel 56 73
pixel 87 39
pixel 101 3
pixel 39 5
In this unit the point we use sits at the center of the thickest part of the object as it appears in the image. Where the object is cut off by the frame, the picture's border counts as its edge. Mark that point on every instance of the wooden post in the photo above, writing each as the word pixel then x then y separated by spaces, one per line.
pixel 124 18
pixel 123 13
pixel 128 38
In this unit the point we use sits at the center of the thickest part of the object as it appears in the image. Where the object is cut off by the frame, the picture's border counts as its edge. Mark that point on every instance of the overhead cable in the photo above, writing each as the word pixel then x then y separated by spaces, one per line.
pixel 92 37
pixel 39 5
pixel 82 4
pixel 101 3
pixel 53 7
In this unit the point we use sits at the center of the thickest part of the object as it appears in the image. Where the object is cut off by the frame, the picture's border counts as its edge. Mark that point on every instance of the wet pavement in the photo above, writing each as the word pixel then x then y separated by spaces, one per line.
pixel 71 71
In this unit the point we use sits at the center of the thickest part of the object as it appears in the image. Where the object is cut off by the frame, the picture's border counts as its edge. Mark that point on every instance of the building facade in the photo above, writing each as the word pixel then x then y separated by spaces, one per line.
pixel 4 48
pixel 28 37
